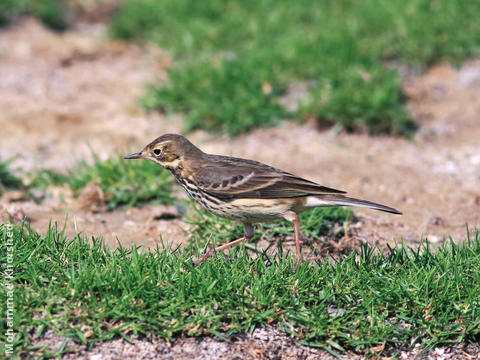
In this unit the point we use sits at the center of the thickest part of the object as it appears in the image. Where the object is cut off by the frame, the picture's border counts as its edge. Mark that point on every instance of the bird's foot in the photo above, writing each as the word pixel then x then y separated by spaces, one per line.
pixel 309 260
pixel 316 258
pixel 209 253
pixel 296 264
pixel 220 248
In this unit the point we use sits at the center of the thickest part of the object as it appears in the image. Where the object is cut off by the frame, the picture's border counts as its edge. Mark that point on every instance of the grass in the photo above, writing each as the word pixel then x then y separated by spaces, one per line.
pixel 80 289
pixel 124 182
pixel 234 59
pixel 242 104
pixel 8 180
pixel 52 13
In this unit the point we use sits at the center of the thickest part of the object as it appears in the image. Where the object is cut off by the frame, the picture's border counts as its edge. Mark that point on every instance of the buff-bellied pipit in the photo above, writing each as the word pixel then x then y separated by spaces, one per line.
pixel 243 190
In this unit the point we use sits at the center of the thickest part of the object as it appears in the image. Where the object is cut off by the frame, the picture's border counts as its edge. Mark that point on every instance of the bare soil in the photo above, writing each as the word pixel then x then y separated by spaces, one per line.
pixel 265 343
pixel 62 94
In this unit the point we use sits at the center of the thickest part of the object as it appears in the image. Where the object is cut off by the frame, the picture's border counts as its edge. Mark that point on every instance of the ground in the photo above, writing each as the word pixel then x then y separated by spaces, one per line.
pixel 263 343
pixel 62 94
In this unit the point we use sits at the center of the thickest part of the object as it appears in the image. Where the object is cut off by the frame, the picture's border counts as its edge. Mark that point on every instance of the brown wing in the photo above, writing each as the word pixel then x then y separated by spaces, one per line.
pixel 232 178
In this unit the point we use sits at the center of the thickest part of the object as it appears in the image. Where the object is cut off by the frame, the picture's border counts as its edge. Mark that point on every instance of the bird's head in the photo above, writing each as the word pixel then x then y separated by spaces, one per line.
pixel 169 151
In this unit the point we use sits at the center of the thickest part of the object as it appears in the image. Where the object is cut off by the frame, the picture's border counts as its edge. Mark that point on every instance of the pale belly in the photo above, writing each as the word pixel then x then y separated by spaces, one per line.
pixel 258 209
pixel 246 210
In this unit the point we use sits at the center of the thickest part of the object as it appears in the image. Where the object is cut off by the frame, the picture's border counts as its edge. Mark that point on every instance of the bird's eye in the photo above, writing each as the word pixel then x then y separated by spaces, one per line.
pixel 157 152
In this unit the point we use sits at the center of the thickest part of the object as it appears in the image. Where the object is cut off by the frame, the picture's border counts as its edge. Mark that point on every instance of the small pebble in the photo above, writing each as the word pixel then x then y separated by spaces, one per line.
pixel 433 239
pixel 436 220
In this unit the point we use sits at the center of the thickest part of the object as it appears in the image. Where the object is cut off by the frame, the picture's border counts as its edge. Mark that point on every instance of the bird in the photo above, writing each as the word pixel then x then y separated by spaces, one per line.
pixel 246 191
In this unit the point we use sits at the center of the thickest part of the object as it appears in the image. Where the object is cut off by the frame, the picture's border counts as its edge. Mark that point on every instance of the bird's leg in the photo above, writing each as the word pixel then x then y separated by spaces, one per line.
pixel 247 237
pixel 292 216
pixel 297 242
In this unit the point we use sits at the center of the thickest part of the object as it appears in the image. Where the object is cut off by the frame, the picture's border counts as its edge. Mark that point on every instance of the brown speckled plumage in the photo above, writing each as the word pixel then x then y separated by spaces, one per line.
pixel 243 190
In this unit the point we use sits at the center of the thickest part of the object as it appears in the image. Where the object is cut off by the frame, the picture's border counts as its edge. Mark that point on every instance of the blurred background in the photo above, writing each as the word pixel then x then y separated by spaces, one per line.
pixel 378 98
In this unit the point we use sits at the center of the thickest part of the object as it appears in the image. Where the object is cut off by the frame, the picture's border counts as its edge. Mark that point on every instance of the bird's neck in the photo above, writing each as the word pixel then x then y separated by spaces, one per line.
pixel 184 165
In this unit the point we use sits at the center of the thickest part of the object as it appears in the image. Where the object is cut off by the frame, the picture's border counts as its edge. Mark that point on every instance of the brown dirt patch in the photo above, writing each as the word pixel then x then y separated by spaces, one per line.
pixel 63 93
pixel 264 343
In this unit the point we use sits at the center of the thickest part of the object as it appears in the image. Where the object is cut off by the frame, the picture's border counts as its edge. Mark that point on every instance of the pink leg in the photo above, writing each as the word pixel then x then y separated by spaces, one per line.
pixel 247 237
pixel 292 216
pixel 219 248
pixel 296 233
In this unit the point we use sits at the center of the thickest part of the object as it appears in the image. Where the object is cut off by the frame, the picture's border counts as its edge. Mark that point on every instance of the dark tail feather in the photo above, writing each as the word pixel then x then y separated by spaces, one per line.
pixel 340 200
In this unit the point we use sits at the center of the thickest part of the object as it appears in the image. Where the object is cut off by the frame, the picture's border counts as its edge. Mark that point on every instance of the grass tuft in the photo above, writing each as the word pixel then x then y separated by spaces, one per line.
pixel 80 289
pixel 53 13
pixel 10 8
pixel 124 182
pixel 234 58
pixel 8 181
pixel 245 102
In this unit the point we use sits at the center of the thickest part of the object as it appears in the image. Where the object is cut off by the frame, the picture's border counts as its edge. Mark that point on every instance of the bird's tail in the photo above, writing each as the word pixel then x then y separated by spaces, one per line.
pixel 341 200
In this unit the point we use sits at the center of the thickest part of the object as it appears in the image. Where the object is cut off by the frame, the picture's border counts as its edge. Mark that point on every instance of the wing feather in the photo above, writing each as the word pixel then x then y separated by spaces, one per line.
pixel 233 178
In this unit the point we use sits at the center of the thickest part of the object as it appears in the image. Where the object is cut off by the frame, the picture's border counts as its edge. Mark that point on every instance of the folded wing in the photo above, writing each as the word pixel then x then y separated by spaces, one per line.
pixel 233 178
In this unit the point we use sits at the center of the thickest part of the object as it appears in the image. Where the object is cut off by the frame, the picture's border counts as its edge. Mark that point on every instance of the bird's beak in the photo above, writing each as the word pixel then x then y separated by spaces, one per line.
pixel 137 155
